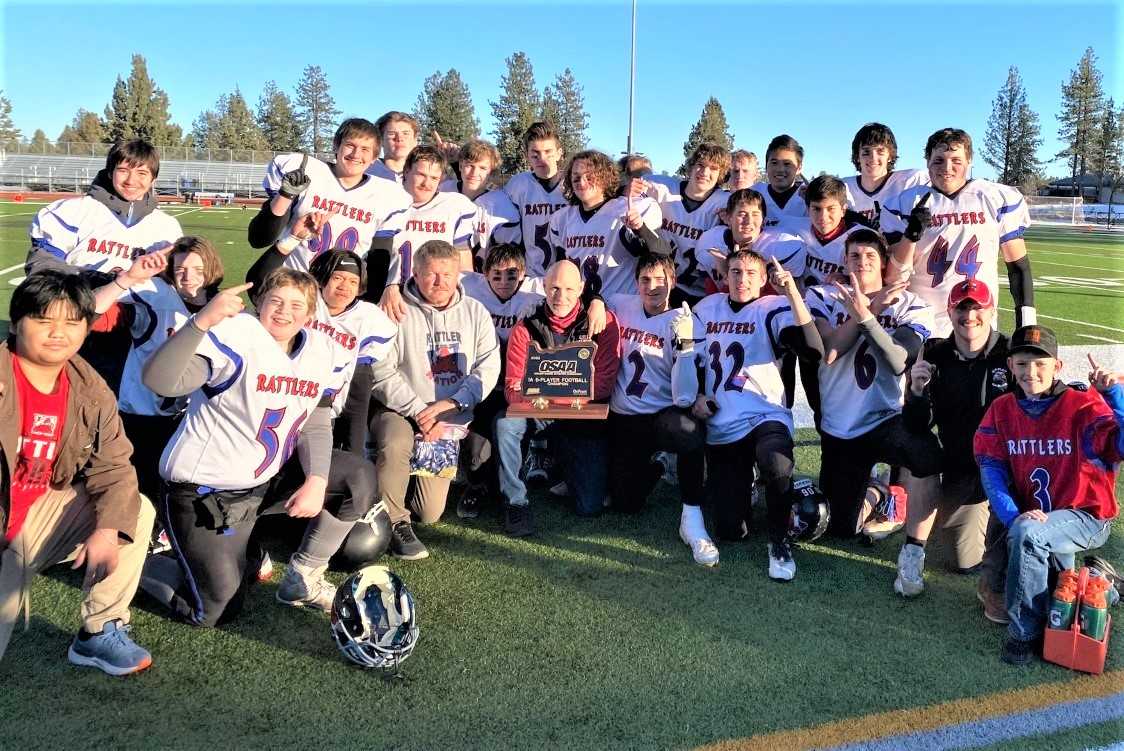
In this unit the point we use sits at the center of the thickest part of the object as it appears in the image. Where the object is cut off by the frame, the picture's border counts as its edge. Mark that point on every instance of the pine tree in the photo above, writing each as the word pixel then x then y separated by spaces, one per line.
pixel 204 131
pixel 564 105
pixel 277 120
pixel 445 105
pixel 39 143
pixel 316 110
pixel 710 128
pixel 519 105
pixel 1082 106
pixel 231 126
pixel 86 127
pixel 1108 147
pixel 1012 139
pixel 9 133
pixel 139 109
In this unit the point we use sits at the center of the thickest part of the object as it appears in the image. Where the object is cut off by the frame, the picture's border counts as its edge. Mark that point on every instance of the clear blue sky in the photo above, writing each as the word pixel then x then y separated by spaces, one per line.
pixel 817 71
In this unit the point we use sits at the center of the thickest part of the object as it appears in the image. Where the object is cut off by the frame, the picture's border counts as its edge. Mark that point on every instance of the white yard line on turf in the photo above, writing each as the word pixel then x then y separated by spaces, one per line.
pixel 1040 261
pixel 10 269
pixel 1100 339
pixel 178 214
pixel 1070 320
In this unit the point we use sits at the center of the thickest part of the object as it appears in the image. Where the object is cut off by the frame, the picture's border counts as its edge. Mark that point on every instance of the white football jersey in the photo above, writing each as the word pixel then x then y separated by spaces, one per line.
pixel 594 243
pixel 359 214
pixel 496 222
pixel 683 229
pixel 535 205
pixel 83 232
pixel 740 353
pixel 505 313
pixel 643 384
pixel 447 216
pixel 243 424
pixel 158 312
pixel 859 391
pixel 858 199
pixel 824 259
pixel 379 169
pixel 781 241
pixel 362 332
pixel 794 206
pixel 962 241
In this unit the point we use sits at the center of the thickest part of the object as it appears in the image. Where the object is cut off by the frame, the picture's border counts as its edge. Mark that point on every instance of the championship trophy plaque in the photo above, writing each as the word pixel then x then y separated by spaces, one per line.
pixel 558 384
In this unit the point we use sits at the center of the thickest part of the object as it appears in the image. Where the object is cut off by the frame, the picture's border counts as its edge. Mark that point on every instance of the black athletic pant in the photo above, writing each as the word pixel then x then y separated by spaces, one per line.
pixel 730 483
pixel 632 441
pixel 149 435
pixel 478 449
pixel 809 379
pixel 846 463
pixel 212 532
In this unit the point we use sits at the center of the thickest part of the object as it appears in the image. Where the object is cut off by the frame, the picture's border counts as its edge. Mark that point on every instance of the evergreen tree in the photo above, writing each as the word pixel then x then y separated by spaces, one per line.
pixel 1082 106
pixel 139 109
pixel 710 128
pixel 564 105
pixel 1108 145
pixel 519 105
pixel 117 113
pixel 9 133
pixel 277 120
pixel 1012 139
pixel 230 125
pixel 445 105
pixel 204 131
pixel 39 143
pixel 316 110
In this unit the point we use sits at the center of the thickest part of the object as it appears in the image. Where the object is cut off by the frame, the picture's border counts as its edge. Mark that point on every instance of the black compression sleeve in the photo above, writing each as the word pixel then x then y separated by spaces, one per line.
pixel 266 228
pixel 267 263
pixel 1022 286
pixel 378 266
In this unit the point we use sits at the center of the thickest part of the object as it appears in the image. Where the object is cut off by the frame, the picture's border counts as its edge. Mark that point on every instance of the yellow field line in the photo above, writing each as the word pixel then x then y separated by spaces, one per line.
pixel 880 725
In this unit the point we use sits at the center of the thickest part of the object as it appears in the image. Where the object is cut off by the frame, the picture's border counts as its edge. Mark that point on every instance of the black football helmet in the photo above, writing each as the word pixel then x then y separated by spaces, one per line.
pixel 810 513
pixel 365 543
pixel 374 619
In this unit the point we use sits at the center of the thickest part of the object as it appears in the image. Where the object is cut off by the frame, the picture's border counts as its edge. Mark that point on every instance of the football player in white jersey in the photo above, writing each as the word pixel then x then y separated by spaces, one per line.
pixel 691 207
pixel 874 152
pixel 870 332
pixel 643 417
pixel 433 215
pixel 783 161
pixel 744 230
pixel 159 291
pixel 537 194
pixel 509 296
pixel 399 135
pixel 744 170
pixel 957 228
pixel 118 219
pixel 497 220
pixel 602 233
pixel 364 213
pixel 260 392
pixel 739 340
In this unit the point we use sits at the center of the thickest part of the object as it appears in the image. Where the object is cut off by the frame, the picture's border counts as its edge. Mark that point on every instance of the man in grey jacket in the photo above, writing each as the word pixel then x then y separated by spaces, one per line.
pixel 442 363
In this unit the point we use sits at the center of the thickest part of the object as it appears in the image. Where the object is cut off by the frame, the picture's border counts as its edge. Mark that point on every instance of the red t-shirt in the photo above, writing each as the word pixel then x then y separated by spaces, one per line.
pixel 42 417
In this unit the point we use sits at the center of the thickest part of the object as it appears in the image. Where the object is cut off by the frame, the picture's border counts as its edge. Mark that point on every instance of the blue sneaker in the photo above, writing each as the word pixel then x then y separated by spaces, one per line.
pixel 112 651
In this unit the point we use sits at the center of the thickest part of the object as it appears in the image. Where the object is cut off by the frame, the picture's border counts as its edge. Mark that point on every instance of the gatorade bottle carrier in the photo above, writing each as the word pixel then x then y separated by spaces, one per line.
pixel 1070 648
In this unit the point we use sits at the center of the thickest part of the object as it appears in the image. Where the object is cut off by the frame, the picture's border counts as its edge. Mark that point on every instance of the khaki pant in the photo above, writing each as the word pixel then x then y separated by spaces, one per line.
pixel 55 527
pixel 425 496
pixel 961 526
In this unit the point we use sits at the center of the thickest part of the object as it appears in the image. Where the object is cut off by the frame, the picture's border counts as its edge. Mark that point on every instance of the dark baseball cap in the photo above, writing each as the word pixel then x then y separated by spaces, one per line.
pixel 970 289
pixel 1034 339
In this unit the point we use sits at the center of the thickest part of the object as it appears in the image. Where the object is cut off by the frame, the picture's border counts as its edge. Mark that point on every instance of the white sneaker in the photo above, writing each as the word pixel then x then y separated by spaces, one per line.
pixel 702 547
pixel 911 566
pixel 782 566
pixel 265 571
pixel 306 588
pixel 560 490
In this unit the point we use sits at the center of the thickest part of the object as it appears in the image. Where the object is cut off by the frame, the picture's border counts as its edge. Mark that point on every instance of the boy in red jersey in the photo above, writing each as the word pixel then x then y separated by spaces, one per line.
pixel 1048 454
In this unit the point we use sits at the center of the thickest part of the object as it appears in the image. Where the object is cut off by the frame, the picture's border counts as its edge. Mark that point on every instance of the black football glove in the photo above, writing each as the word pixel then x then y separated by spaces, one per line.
pixel 296 182
pixel 919 219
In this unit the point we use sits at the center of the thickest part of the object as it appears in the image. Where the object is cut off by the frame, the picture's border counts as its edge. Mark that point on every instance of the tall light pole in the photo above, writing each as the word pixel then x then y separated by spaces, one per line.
pixel 632 80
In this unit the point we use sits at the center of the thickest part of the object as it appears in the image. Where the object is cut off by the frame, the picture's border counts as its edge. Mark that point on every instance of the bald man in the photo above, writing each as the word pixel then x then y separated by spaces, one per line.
pixel 562 318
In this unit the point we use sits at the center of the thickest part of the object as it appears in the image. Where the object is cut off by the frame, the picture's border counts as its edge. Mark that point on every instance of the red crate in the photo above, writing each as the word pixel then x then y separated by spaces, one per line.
pixel 1070 648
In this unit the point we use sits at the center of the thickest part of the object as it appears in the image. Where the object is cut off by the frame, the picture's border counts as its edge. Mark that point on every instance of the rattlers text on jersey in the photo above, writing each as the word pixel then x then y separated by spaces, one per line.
pixel 505 313
pixel 740 355
pixel 447 216
pixel 823 258
pixel 774 212
pixel 536 203
pixel 858 199
pixel 597 242
pixel 644 380
pixel 158 312
pixel 963 239
pixel 373 207
pixel 362 332
pixel 83 232
pixel 859 390
pixel 244 422
pixel 683 228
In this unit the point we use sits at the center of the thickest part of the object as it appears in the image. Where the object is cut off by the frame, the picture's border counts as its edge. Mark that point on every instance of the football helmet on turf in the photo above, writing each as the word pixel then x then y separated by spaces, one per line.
pixel 374 620
pixel 365 543
pixel 810 511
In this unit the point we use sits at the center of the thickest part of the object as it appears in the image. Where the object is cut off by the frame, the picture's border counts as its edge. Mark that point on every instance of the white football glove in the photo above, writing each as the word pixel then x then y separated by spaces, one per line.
pixel 683 329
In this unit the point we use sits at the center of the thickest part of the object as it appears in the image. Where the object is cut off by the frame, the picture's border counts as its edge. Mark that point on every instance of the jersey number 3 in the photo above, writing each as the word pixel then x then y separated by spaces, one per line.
pixel 1041 479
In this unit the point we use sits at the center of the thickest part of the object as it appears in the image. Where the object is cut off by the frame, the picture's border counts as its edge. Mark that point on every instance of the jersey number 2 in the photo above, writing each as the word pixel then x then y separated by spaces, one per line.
pixel 271 442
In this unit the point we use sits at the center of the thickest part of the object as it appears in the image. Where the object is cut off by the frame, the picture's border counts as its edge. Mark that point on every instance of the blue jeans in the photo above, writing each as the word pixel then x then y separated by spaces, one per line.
pixel 580 448
pixel 1030 545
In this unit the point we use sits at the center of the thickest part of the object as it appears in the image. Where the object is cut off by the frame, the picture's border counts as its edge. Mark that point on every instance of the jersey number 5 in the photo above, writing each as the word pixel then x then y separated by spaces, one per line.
pixel 268 438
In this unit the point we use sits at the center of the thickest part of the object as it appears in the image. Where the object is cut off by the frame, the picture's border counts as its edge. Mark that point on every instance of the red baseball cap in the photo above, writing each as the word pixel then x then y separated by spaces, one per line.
pixel 970 289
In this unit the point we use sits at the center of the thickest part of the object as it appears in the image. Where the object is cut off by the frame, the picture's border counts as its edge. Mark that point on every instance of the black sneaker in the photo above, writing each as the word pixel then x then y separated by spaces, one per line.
pixel 518 521
pixel 1017 652
pixel 405 544
pixel 1103 568
pixel 468 507
pixel 534 468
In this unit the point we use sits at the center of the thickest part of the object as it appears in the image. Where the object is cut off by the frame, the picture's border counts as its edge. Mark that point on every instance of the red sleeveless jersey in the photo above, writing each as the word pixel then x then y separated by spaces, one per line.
pixel 1064 458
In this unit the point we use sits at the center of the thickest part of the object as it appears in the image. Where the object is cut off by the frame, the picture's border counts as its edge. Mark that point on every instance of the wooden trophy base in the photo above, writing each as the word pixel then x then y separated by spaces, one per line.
pixel 546 409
